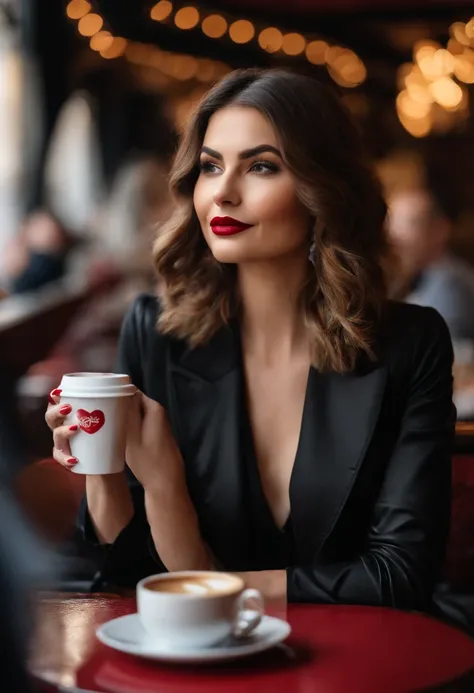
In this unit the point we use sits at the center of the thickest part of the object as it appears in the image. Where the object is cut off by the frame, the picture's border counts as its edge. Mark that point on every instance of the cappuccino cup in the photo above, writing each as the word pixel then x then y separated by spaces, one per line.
pixel 197 609
pixel 100 407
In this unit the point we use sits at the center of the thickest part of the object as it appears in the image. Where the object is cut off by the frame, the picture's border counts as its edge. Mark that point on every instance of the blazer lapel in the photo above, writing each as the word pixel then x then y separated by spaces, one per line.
pixel 205 401
pixel 207 411
pixel 339 418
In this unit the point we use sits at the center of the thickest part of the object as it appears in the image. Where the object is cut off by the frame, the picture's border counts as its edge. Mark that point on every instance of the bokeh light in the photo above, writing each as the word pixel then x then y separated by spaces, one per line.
pixel 214 26
pixel 186 18
pixel 161 10
pixel 90 24
pixel 77 9
pixel 241 31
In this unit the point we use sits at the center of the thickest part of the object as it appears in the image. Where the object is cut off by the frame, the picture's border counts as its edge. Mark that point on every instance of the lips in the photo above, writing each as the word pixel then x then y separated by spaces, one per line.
pixel 227 226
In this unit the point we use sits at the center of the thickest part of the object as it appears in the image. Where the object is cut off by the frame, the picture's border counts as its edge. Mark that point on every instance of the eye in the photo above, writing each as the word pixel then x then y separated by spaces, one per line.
pixel 264 167
pixel 206 166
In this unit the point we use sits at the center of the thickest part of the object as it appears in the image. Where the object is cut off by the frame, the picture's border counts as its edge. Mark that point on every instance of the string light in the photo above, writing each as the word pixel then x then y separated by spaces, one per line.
pixel 186 18
pixel 458 31
pixel 214 26
pixel 161 10
pixel 270 39
pixel 464 66
pixel 101 41
pixel 446 92
pixel 241 31
pixel 469 29
pixel 407 106
pixel 116 49
pixel 77 9
pixel 454 47
pixel 90 24
pixel 293 44
pixel 347 72
pixel 417 127
pixel 316 52
pixel 429 95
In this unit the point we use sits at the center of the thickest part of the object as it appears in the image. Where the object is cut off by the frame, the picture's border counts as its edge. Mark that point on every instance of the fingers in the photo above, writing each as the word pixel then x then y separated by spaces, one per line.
pixel 153 414
pixel 143 417
pixel 156 428
pixel 54 395
pixel 134 421
pixel 55 414
pixel 65 460
pixel 150 405
pixel 62 448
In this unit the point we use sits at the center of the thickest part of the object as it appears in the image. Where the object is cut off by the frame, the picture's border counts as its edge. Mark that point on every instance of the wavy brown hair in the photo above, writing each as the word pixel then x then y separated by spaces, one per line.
pixel 345 288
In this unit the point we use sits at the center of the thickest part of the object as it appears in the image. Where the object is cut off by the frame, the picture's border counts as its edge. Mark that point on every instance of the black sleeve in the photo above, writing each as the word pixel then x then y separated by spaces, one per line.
pixel 141 350
pixel 410 523
pixel 132 556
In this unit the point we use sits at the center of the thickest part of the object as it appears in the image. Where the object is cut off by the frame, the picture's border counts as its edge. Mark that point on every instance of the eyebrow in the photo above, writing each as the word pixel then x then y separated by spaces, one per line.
pixel 245 154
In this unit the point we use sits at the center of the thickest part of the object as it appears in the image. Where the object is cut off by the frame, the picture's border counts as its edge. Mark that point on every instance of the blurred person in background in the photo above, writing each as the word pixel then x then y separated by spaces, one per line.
pixel 420 228
pixel 38 255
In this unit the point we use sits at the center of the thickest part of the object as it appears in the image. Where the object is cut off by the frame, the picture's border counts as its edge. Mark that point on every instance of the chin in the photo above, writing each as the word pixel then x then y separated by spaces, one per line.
pixel 230 250
pixel 229 257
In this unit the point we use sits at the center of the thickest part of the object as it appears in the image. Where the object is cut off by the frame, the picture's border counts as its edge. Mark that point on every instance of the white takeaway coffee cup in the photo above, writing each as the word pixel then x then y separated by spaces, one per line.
pixel 100 406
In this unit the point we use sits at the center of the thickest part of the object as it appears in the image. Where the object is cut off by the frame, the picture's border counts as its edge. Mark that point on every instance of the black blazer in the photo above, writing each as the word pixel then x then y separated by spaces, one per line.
pixel 371 484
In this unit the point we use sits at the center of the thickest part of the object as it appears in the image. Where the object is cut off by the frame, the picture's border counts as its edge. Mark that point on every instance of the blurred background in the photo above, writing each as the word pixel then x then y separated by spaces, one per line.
pixel 93 95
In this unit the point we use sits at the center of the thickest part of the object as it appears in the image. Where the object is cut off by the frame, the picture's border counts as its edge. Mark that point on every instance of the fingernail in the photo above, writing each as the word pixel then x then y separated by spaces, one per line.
pixel 73 428
pixel 72 460
pixel 52 394
pixel 65 409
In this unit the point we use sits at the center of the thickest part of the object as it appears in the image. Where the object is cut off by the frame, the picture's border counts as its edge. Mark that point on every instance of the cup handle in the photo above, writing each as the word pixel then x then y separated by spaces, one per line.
pixel 248 619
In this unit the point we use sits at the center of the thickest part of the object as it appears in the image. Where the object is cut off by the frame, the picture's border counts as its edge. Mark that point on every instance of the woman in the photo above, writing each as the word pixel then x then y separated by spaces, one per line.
pixel 294 425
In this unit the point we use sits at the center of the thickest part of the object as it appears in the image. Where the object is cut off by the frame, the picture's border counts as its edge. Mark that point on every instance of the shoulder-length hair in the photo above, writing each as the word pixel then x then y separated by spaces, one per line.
pixel 345 288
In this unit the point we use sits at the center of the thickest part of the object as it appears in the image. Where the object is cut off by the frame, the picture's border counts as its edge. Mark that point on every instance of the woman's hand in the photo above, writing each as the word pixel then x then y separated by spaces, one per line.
pixel 108 497
pixel 155 459
pixel 55 415
pixel 152 453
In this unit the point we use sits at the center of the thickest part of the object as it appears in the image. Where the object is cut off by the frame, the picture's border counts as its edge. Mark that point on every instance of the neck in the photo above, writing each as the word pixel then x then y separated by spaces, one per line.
pixel 272 320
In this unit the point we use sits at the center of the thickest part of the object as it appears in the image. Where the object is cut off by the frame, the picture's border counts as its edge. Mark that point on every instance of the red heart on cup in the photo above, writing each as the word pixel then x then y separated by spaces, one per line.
pixel 90 422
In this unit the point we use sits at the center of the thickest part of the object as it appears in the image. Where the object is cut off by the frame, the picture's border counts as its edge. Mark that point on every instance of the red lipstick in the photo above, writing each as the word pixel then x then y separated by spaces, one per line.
pixel 227 226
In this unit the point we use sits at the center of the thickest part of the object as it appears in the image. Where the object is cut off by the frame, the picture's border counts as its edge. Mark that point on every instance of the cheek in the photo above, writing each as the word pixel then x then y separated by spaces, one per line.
pixel 198 200
pixel 202 198
pixel 280 205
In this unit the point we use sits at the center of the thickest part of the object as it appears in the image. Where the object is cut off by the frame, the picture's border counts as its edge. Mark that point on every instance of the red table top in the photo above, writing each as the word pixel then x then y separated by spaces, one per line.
pixel 332 649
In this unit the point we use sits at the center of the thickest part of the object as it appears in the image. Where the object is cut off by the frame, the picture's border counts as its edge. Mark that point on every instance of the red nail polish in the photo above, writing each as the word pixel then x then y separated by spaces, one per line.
pixel 54 393
pixel 73 428
pixel 65 409
pixel 72 460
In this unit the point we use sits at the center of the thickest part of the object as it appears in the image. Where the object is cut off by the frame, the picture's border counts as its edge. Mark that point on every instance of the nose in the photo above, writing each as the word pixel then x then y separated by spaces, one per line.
pixel 227 192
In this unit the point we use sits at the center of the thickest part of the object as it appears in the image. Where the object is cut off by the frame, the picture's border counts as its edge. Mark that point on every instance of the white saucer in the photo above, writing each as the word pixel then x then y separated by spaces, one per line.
pixel 127 634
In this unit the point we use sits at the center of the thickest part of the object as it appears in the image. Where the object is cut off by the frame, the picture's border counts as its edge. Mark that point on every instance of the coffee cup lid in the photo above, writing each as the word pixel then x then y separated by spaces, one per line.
pixel 96 385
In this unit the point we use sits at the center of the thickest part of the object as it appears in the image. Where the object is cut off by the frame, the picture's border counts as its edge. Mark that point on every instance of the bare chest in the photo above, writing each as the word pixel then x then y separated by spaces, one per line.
pixel 275 399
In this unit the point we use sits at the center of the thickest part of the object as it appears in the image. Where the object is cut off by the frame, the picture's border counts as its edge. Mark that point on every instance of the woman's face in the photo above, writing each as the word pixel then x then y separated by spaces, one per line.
pixel 245 198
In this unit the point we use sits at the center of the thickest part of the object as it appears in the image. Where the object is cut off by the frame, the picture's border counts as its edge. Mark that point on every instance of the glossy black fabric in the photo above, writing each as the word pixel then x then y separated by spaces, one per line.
pixel 371 484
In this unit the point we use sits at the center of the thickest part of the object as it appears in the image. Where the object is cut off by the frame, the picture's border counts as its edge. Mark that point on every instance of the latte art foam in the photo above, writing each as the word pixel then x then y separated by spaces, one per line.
pixel 195 586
